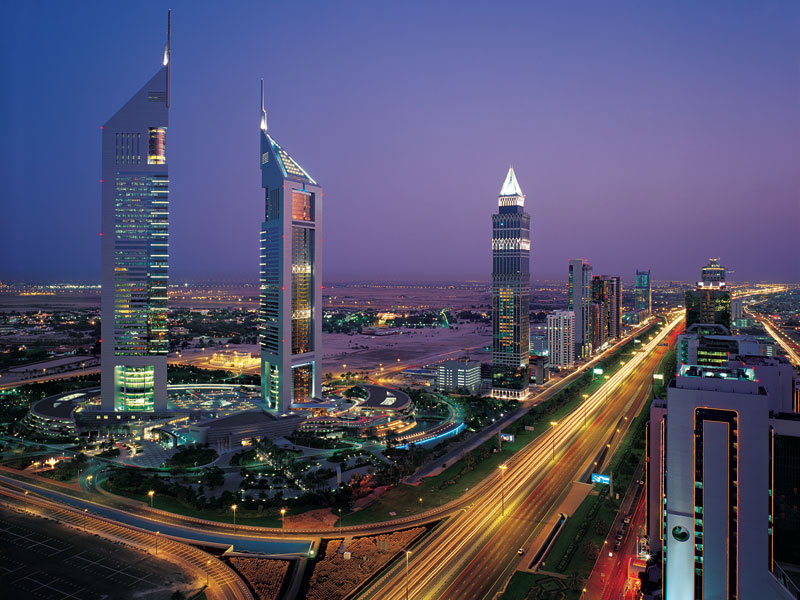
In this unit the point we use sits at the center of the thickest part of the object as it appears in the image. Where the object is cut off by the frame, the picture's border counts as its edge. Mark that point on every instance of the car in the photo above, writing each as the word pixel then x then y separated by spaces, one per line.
pixel 626 520
pixel 521 551
pixel 620 535
pixel 617 546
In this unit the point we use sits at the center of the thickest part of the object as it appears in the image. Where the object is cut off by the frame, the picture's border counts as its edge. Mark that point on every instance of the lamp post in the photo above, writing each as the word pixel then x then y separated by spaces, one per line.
pixel 208 562
pixel 151 493
pixel 283 518
pixel 89 480
pixel 553 424
pixel 157 543
pixel 407 554
pixel 503 489
pixel 340 520
pixel 85 510
pixel 233 508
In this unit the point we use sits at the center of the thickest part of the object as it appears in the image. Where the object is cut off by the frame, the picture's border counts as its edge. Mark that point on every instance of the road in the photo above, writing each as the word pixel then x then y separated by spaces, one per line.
pixel 783 340
pixel 474 553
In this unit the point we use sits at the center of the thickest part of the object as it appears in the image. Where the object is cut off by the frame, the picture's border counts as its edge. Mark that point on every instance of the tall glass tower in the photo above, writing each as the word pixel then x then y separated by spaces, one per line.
pixel 135 254
pixel 291 278
pixel 643 294
pixel 511 250
pixel 580 298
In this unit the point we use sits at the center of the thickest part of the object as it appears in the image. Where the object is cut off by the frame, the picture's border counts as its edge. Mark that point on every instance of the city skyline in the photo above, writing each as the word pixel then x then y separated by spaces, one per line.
pixel 676 102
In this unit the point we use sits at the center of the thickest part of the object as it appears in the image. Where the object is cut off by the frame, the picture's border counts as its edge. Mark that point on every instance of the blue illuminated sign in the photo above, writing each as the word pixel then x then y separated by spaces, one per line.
pixel 598 478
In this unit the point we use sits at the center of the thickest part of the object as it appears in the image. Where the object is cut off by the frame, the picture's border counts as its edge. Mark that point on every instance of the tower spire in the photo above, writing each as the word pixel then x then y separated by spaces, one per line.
pixel 263 110
pixel 167 49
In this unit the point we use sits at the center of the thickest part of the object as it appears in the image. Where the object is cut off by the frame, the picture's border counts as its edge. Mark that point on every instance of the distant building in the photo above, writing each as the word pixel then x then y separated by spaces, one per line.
pixel 510 292
pixel 737 309
pixel 561 338
pixel 291 278
pixel 459 374
pixel 135 249
pixel 580 297
pixel 539 345
pixel 643 294
pixel 605 310
pixel 719 449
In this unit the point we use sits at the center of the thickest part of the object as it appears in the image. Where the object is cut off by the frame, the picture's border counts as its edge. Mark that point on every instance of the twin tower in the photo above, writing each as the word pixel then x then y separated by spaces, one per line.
pixel 135 259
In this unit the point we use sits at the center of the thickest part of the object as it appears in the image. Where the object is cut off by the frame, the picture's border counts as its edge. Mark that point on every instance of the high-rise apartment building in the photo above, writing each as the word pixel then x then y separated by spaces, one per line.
pixel 643 294
pixel 715 461
pixel 510 292
pixel 135 249
pixel 605 310
pixel 291 278
pixel 580 297
pixel 561 338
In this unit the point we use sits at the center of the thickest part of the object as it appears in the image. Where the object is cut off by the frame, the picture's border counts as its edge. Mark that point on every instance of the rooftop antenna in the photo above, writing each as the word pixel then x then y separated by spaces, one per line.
pixel 263 110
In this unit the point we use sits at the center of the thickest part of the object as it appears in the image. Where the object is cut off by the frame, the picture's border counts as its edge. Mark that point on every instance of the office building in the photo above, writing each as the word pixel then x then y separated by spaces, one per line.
pixel 605 310
pixel 453 375
pixel 643 294
pixel 510 292
pixel 135 249
pixel 539 345
pixel 718 448
pixel 710 301
pixel 580 297
pixel 712 346
pixel 737 310
pixel 291 278
pixel 598 324
pixel 561 338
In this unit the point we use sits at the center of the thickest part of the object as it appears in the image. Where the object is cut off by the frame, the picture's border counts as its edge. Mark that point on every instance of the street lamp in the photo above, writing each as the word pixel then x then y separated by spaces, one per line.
pixel 503 489
pixel 151 493
pixel 407 553
pixel 89 479
pixel 340 520
pixel 553 424
pixel 283 518
pixel 420 504
pixel 233 508
pixel 157 543
pixel 208 562
pixel 85 510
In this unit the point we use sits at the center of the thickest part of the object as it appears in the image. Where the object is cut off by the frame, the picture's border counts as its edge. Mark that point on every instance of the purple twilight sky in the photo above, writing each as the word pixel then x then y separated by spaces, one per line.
pixel 643 134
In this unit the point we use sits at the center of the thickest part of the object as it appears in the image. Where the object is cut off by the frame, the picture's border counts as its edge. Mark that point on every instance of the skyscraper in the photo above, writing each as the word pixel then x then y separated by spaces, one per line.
pixel 135 249
pixel 580 296
pixel 643 298
pixel 561 338
pixel 605 310
pixel 291 278
pixel 510 292
pixel 710 301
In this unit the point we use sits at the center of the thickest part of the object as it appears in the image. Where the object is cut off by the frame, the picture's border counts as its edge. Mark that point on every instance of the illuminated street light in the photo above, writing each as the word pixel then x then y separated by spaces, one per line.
pixel 157 532
pixel 151 493
pixel 208 562
pixel 233 508
pixel 283 518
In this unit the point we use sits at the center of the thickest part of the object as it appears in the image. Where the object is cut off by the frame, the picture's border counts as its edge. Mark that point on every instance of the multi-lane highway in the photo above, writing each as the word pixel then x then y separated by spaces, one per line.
pixel 474 553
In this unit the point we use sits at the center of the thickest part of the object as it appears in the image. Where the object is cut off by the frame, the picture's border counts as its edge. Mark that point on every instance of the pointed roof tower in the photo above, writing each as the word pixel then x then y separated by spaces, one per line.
pixel 511 186
pixel 263 110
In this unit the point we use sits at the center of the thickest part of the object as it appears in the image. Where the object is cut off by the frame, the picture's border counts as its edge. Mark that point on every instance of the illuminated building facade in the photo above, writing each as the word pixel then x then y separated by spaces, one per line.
pixel 643 294
pixel 580 297
pixel 605 310
pixel 135 249
pixel 710 301
pixel 561 338
pixel 291 278
pixel 511 247
pixel 711 471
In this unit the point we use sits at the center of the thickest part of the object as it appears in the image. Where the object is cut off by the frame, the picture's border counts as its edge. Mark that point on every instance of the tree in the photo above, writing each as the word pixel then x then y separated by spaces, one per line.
pixel 591 550
pixel 575 581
